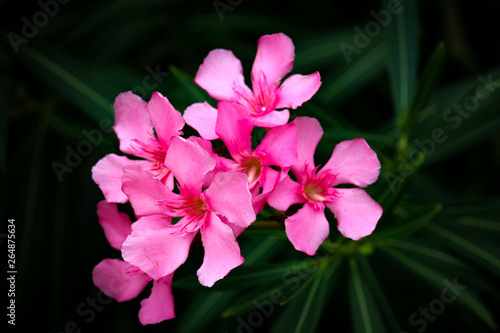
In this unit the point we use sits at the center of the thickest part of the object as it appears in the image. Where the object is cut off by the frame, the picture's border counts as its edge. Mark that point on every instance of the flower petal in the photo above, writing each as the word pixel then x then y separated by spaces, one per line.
pixel 131 121
pixel 222 252
pixel 354 162
pixel 189 162
pixel 117 226
pixel 156 247
pixel 202 117
pixel 107 173
pixel 167 121
pixel 229 196
pixel 309 133
pixel 144 191
pixel 218 74
pixel 119 279
pixel 274 58
pixel 298 89
pixel 356 212
pixel 159 306
pixel 285 194
pixel 307 229
pixel 271 119
pixel 234 128
pixel 279 146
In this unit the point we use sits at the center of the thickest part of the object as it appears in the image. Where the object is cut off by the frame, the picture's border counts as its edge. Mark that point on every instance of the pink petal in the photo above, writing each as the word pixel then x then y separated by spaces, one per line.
pixel 285 194
pixel 356 212
pixel 222 252
pixel 218 74
pixel 279 146
pixel 155 247
pixel 309 133
pixel 131 121
pixel 272 119
pixel 159 306
pixel 298 89
pixel 117 226
pixel 119 280
pixel 307 229
pixel 189 162
pixel 234 128
pixel 274 58
pixel 354 162
pixel 167 121
pixel 107 173
pixel 229 196
pixel 202 117
pixel 144 191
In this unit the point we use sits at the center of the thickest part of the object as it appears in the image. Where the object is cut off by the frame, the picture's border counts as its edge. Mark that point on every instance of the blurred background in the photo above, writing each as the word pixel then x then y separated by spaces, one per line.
pixel 62 63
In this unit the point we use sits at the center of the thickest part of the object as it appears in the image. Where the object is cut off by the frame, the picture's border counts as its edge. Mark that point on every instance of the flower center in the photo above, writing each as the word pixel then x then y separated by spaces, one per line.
pixel 314 191
pixel 252 167
pixel 191 206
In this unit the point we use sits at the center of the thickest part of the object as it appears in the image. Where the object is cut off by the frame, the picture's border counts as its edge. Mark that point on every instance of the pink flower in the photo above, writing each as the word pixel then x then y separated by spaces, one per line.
pixel 134 122
pixel 352 162
pixel 160 250
pixel 221 75
pixel 123 281
pixel 278 148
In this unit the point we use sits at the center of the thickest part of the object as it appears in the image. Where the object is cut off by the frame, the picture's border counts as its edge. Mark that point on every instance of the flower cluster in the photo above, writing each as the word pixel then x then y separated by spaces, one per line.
pixel 179 188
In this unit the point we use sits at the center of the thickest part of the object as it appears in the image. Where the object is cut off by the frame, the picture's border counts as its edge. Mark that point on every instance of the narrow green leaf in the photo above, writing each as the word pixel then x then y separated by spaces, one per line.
pixel 467 298
pixel 468 248
pixel 187 81
pixel 352 77
pixel 293 281
pixel 378 292
pixel 429 252
pixel 248 275
pixel 402 43
pixel 365 315
pixel 480 223
pixel 303 313
pixel 202 310
pixel 65 82
pixel 416 218
pixel 426 86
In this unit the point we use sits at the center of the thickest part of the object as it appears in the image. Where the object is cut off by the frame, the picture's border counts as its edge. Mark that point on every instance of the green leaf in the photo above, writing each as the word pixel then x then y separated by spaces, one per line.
pixel 293 280
pixel 402 44
pixel 364 312
pixel 248 275
pixel 187 81
pixel 429 252
pixel 480 224
pixel 202 310
pixel 64 76
pixel 426 86
pixel 435 279
pixel 302 314
pixel 318 51
pixel 378 293
pixel 468 248
pixel 413 219
pixel 350 78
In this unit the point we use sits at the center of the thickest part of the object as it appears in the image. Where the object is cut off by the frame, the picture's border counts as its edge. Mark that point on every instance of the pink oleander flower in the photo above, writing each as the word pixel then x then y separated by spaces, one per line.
pixel 159 249
pixel 221 75
pixel 123 281
pixel 134 123
pixel 277 149
pixel 352 162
